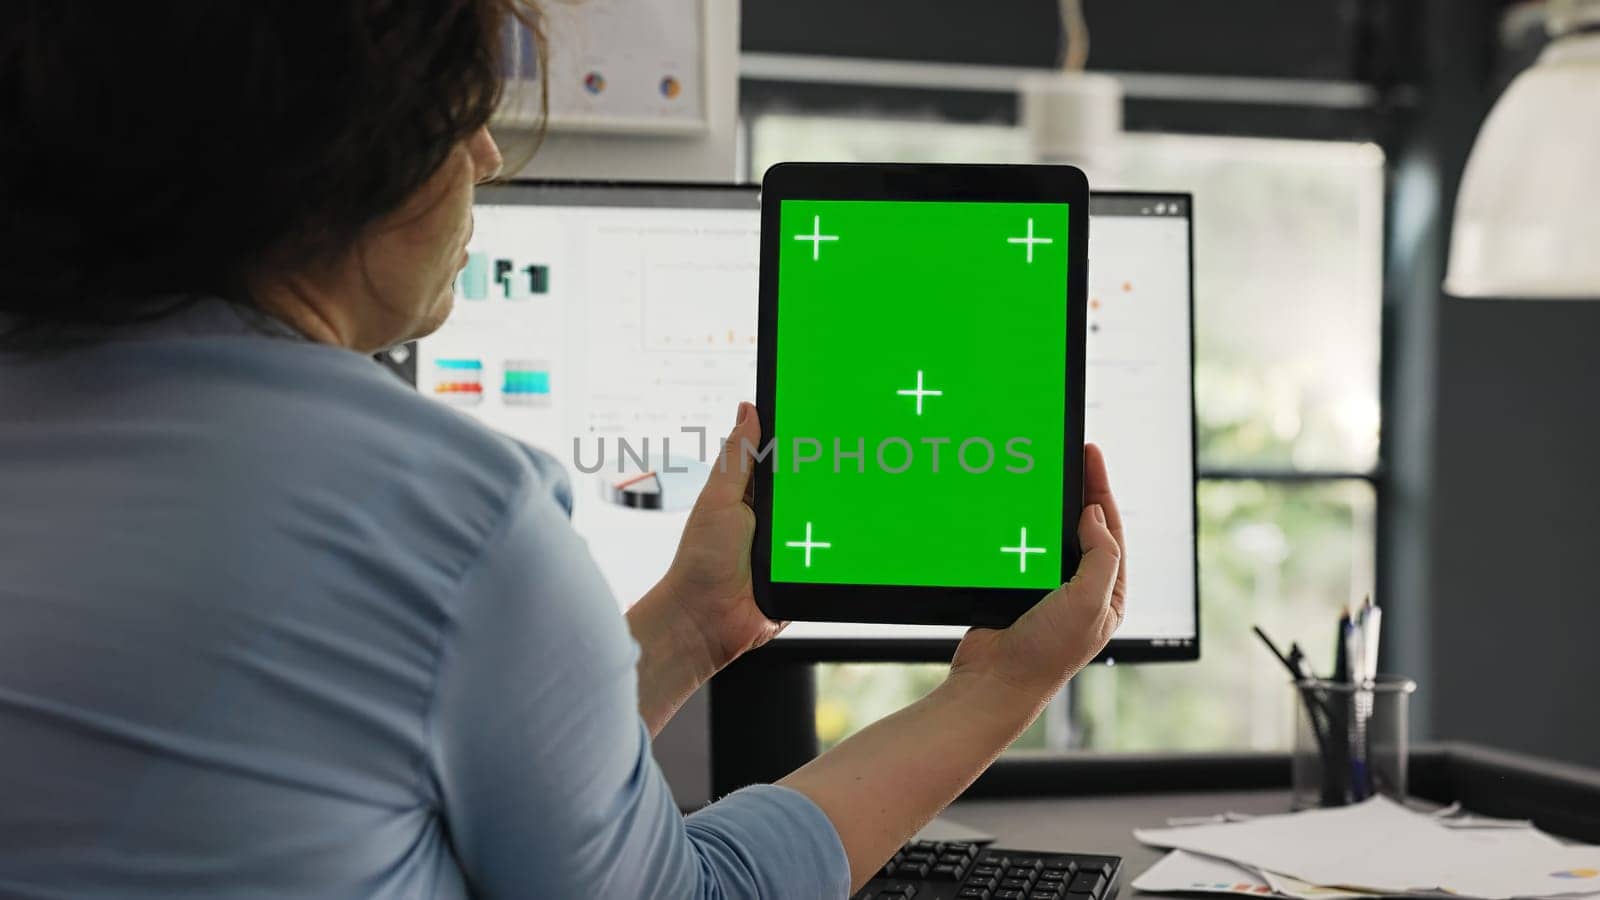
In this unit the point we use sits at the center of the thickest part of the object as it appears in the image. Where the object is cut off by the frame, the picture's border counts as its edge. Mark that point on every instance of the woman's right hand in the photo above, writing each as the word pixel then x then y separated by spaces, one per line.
pixel 1055 639
pixel 889 779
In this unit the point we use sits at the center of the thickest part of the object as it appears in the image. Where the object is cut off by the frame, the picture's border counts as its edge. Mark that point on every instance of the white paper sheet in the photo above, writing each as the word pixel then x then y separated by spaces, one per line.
pixel 1182 872
pixel 942 829
pixel 1381 847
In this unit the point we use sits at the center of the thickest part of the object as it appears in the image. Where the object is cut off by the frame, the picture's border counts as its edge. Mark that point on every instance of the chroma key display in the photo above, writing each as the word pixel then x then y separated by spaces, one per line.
pixel 907 326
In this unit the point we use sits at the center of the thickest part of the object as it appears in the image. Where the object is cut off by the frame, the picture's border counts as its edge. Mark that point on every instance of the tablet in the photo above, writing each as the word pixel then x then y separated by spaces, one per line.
pixel 920 381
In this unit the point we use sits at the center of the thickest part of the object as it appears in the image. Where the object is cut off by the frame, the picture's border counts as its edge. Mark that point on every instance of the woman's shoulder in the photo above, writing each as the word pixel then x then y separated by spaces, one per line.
pixel 308 418
pixel 372 418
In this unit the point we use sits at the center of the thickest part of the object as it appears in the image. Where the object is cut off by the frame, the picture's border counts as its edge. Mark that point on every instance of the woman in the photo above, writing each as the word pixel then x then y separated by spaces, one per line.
pixel 271 624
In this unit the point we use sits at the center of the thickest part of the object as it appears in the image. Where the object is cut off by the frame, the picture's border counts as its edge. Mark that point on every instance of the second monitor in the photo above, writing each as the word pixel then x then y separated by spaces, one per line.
pixel 614 325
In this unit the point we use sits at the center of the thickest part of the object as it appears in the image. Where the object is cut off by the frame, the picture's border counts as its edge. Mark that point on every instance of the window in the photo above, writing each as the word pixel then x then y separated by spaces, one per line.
pixel 1288 255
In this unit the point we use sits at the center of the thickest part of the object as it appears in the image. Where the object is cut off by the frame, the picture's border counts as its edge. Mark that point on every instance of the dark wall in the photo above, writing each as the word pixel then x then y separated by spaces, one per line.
pixel 1268 38
pixel 1515 612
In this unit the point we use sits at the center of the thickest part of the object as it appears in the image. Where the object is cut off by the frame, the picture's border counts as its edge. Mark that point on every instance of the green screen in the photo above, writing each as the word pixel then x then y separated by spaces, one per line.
pixel 920 334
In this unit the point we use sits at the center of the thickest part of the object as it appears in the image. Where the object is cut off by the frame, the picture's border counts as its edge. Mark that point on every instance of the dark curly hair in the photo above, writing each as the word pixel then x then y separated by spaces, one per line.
pixel 153 153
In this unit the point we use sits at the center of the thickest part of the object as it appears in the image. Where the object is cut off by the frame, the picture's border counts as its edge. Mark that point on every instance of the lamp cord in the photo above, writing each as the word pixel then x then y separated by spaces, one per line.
pixel 1075 32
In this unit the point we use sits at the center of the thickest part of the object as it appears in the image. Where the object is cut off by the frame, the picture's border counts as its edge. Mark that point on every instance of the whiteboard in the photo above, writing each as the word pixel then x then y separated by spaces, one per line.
pixel 616 66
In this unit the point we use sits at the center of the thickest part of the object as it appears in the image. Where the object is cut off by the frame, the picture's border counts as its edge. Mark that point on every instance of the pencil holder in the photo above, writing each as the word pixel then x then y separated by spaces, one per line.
pixel 1351 740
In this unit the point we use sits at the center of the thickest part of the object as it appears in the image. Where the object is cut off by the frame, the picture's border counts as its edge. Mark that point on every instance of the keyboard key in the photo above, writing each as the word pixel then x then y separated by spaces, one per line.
pixel 912 868
pixel 888 867
pixel 1088 882
pixel 1027 862
pixel 921 868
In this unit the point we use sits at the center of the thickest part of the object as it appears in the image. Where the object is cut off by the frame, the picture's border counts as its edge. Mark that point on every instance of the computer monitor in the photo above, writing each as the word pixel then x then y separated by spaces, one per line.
pixel 614 325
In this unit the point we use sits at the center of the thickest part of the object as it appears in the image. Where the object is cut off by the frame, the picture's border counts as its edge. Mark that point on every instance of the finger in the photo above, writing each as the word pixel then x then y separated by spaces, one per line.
pixel 730 473
pixel 1101 564
pixel 1097 488
pixel 1097 492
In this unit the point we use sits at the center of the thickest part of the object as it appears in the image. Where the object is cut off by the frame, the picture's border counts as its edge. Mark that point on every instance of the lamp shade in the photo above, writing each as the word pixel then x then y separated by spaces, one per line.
pixel 1074 117
pixel 1527 221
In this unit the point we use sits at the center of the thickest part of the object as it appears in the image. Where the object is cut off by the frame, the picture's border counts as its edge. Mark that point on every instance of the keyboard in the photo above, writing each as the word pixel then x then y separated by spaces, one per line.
pixel 948 870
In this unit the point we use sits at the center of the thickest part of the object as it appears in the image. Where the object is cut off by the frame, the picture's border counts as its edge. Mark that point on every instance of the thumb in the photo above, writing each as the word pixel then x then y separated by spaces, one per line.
pixel 1102 557
pixel 1082 609
pixel 730 472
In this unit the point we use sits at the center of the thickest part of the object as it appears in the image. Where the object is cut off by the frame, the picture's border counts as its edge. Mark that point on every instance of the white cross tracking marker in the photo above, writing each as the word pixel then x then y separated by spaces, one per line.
pixel 1022 550
pixel 919 393
pixel 808 543
pixel 816 237
pixel 1030 240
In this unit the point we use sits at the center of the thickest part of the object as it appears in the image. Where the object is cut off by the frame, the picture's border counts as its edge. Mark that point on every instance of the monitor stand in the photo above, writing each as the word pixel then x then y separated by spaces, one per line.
pixel 763 720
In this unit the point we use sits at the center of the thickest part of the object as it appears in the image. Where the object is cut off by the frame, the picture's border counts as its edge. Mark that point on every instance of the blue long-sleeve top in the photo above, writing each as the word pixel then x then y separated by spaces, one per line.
pixel 272 625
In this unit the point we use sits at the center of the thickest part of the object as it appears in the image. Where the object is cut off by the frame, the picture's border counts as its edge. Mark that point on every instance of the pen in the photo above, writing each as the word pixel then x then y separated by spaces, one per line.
pixel 1356 720
pixel 1355 658
pixel 1315 699
pixel 1341 650
pixel 1297 662
pixel 1336 751
pixel 1370 627
pixel 1361 638
pixel 1275 651
pixel 1318 716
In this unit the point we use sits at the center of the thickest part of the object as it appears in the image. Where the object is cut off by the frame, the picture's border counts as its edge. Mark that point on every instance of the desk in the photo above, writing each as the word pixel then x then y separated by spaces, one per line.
pixel 1091 804
pixel 1102 824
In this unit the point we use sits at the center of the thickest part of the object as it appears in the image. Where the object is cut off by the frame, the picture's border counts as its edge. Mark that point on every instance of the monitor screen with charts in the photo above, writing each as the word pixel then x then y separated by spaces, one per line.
pixel 614 326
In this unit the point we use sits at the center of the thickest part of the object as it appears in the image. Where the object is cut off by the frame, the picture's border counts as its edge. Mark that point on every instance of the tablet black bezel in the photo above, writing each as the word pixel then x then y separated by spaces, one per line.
pixel 804 601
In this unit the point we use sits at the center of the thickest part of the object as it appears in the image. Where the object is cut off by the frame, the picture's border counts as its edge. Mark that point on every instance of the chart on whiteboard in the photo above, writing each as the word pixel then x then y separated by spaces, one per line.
pixel 632 66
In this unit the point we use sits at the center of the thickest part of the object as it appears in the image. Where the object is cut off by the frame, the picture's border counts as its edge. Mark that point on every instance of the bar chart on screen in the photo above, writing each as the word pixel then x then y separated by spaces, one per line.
pixel 491 276
pixel 526 382
pixel 692 305
pixel 458 381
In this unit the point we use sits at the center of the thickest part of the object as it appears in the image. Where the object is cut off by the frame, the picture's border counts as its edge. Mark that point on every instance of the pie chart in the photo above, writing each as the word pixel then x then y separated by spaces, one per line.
pixel 663 484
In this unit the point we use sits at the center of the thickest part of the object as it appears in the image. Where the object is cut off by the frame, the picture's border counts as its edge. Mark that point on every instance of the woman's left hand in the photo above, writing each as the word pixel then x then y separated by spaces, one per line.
pixel 709 579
